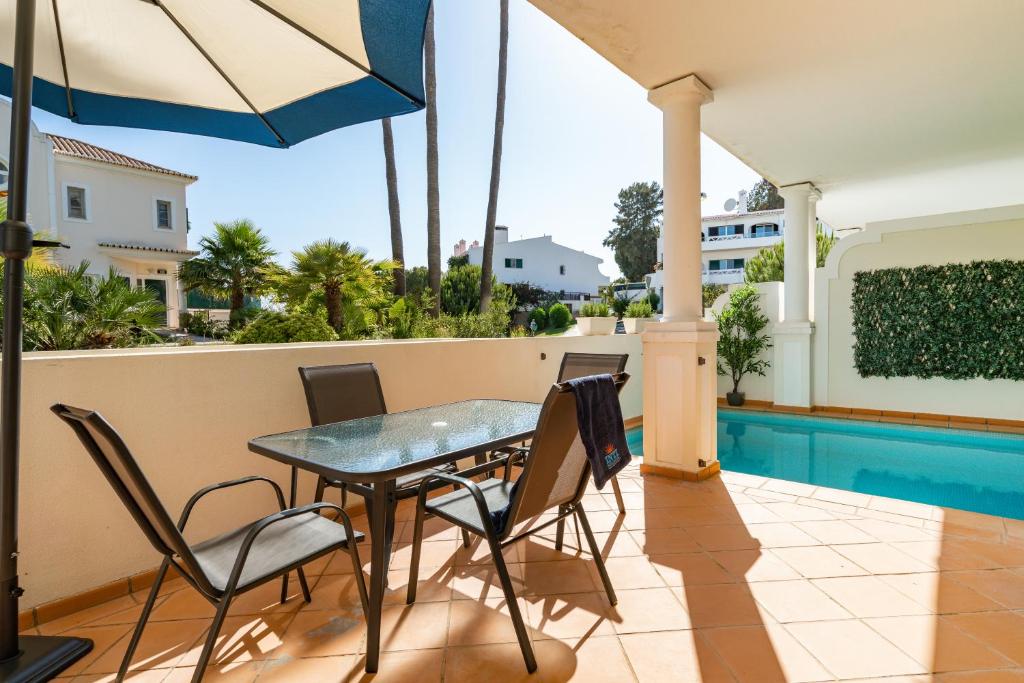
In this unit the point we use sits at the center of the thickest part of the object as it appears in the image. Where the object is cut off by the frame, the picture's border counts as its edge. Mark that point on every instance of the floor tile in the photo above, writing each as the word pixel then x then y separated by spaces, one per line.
pixel 663 541
pixel 574 615
pixel 324 633
pixel 868 596
pixel 414 627
pixel 940 593
pixel 473 622
pixel 818 562
pixel 689 569
pixel 724 537
pixel 648 609
pixel 937 644
pixel 754 565
pixel 674 656
pixel 831 532
pixel 849 649
pixel 1001 585
pixel 764 654
pixel 720 605
pixel 880 558
pixel 800 600
pixel 163 645
pixel 1002 631
pixel 557 578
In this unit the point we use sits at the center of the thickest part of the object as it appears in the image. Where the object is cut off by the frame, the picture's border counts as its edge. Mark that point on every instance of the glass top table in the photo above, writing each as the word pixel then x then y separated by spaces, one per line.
pixel 372 452
pixel 383 447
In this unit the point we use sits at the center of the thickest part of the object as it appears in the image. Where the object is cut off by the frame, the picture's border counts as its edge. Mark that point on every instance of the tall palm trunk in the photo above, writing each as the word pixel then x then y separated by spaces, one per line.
pixel 332 301
pixel 394 211
pixel 433 191
pixel 487 267
pixel 237 303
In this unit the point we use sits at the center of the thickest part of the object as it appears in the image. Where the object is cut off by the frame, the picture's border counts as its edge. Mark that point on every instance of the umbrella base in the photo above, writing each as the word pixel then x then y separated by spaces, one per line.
pixel 42 658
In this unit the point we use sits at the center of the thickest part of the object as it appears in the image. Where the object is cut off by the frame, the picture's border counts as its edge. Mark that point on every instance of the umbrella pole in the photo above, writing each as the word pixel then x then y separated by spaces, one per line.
pixel 29 658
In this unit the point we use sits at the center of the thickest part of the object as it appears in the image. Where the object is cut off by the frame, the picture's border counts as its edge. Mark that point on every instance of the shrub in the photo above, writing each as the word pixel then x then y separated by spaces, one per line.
pixel 200 324
pixel 559 315
pixel 273 327
pixel 460 290
pixel 741 342
pixel 594 309
pixel 639 309
pixel 957 320
pixel 619 306
pixel 539 316
pixel 768 265
pixel 653 299
pixel 709 293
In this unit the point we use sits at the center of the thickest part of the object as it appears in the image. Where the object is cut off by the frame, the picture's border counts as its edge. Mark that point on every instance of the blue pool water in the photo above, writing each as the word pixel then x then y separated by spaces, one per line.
pixel 978 471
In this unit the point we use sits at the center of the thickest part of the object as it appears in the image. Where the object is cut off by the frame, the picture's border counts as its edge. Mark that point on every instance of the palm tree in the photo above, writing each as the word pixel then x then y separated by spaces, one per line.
pixel 499 130
pixel 344 276
pixel 234 263
pixel 433 191
pixel 394 211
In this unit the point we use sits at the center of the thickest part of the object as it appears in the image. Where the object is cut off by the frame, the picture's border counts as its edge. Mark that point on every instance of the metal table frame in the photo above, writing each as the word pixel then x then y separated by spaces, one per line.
pixel 379 489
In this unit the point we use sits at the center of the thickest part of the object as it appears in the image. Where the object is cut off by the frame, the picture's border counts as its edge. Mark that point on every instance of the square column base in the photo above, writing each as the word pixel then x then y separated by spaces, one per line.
pixel 680 399
pixel 792 364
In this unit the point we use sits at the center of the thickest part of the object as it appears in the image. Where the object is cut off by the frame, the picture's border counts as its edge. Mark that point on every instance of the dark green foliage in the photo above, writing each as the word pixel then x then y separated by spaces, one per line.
pixel 458 261
pixel 199 323
pixel 653 299
pixel 417 281
pixel 273 327
pixel 634 239
pixel 741 340
pixel 769 264
pixel 711 292
pixel 764 196
pixel 559 316
pixel 460 290
pixel 528 296
pixel 539 316
pixel 619 305
pixel 958 321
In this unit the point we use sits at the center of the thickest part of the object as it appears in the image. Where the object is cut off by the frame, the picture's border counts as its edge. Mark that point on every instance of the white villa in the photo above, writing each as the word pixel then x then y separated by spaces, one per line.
pixel 111 210
pixel 572 274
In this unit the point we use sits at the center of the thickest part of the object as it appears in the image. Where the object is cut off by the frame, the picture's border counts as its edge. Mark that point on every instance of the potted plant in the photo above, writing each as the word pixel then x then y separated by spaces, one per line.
pixel 638 314
pixel 741 340
pixel 595 318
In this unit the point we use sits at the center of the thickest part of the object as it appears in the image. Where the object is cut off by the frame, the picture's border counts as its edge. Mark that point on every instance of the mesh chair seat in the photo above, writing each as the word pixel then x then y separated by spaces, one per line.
pixel 459 507
pixel 292 541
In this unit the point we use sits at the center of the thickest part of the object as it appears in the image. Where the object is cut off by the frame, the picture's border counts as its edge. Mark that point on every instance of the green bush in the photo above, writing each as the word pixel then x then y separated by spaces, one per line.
pixel 539 316
pixel 639 309
pixel 199 323
pixel 653 299
pixel 769 264
pixel 741 342
pixel 460 290
pixel 958 321
pixel 709 293
pixel 273 327
pixel 559 315
pixel 594 309
pixel 619 306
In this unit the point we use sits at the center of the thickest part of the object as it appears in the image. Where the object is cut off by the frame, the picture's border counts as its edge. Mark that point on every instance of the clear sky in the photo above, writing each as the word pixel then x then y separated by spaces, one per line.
pixel 576 131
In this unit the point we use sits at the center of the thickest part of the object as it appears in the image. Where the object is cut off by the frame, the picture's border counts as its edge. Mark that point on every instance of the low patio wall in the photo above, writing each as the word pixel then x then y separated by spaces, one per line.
pixel 187 413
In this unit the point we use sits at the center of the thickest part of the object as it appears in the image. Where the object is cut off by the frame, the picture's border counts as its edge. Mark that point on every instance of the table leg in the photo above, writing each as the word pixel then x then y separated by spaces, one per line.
pixel 382 530
pixel 292 493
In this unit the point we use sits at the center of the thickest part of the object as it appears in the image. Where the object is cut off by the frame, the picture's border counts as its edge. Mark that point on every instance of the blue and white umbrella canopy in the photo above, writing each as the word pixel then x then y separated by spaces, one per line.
pixel 271 72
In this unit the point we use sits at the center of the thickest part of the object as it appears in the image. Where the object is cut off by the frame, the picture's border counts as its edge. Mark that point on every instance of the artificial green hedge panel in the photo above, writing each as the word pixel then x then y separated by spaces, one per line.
pixel 958 321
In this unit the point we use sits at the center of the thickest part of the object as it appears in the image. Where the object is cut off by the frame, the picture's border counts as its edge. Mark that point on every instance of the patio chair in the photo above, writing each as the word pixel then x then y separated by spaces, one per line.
pixel 554 477
pixel 224 566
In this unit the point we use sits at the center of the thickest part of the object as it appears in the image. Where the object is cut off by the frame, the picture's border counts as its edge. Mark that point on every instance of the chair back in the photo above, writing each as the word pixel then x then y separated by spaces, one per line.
pixel 557 468
pixel 118 466
pixel 335 393
pixel 576 365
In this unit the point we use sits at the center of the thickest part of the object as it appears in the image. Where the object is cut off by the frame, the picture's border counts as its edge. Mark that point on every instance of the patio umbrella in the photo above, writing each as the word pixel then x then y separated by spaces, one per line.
pixel 270 72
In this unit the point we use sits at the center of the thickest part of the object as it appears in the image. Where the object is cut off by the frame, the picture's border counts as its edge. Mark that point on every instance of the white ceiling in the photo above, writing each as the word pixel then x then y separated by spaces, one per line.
pixel 891 107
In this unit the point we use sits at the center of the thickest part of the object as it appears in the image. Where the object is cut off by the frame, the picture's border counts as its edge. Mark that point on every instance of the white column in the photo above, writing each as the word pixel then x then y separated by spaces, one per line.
pixel 792 336
pixel 680 382
pixel 812 249
pixel 680 101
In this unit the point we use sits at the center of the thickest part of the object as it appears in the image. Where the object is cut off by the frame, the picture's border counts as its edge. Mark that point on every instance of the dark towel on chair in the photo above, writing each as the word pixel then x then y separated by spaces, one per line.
pixel 601 430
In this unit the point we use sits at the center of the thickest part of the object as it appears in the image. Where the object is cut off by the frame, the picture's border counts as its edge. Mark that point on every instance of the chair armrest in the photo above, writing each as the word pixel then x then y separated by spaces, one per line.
pixel 474 490
pixel 224 485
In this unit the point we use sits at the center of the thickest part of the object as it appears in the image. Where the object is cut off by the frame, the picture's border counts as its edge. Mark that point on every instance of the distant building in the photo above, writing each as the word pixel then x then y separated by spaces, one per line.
pixel 573 275
pixel 111 210
pixel 461 249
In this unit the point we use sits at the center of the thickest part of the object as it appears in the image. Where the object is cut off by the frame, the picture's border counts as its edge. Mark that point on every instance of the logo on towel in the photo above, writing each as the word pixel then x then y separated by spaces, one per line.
pixel 611 455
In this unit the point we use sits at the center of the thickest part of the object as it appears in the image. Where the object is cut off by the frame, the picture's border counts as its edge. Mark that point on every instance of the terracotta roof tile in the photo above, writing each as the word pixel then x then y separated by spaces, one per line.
pixel 83 150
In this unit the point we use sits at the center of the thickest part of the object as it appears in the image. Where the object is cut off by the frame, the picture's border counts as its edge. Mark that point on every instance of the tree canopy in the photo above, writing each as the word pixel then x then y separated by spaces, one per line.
pixel 763 197
pixel 634 239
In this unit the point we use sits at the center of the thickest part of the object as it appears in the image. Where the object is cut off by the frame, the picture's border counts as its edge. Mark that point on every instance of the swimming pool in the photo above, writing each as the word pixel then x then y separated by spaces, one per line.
pixel 978 471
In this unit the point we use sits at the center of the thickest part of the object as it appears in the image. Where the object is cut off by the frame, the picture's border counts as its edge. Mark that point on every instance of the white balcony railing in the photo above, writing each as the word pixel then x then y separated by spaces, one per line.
pixel 723 238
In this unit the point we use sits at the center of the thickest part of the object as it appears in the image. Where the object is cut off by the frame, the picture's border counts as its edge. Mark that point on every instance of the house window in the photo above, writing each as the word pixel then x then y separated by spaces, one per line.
pixel 561 270
pixel 163 215
pixel 513 263
pixel 3 175
pixel 764 230
pixel 725 264
pixel 725 230
pixel 76 203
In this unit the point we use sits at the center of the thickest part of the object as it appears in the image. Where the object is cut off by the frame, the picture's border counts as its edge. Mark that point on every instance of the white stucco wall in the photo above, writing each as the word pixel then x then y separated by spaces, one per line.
pixel 755 387
pixel 40 169
pixel 541 260
pixel 76 535
pixel 931 240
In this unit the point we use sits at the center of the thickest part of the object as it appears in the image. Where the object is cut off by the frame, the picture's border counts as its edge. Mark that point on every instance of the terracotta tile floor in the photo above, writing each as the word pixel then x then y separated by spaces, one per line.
pixel 739 578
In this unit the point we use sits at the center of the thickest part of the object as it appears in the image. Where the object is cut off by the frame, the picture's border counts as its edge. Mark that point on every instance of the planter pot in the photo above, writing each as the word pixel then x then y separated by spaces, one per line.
pixel 596 326
pixel 735 398
pixel 636 325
